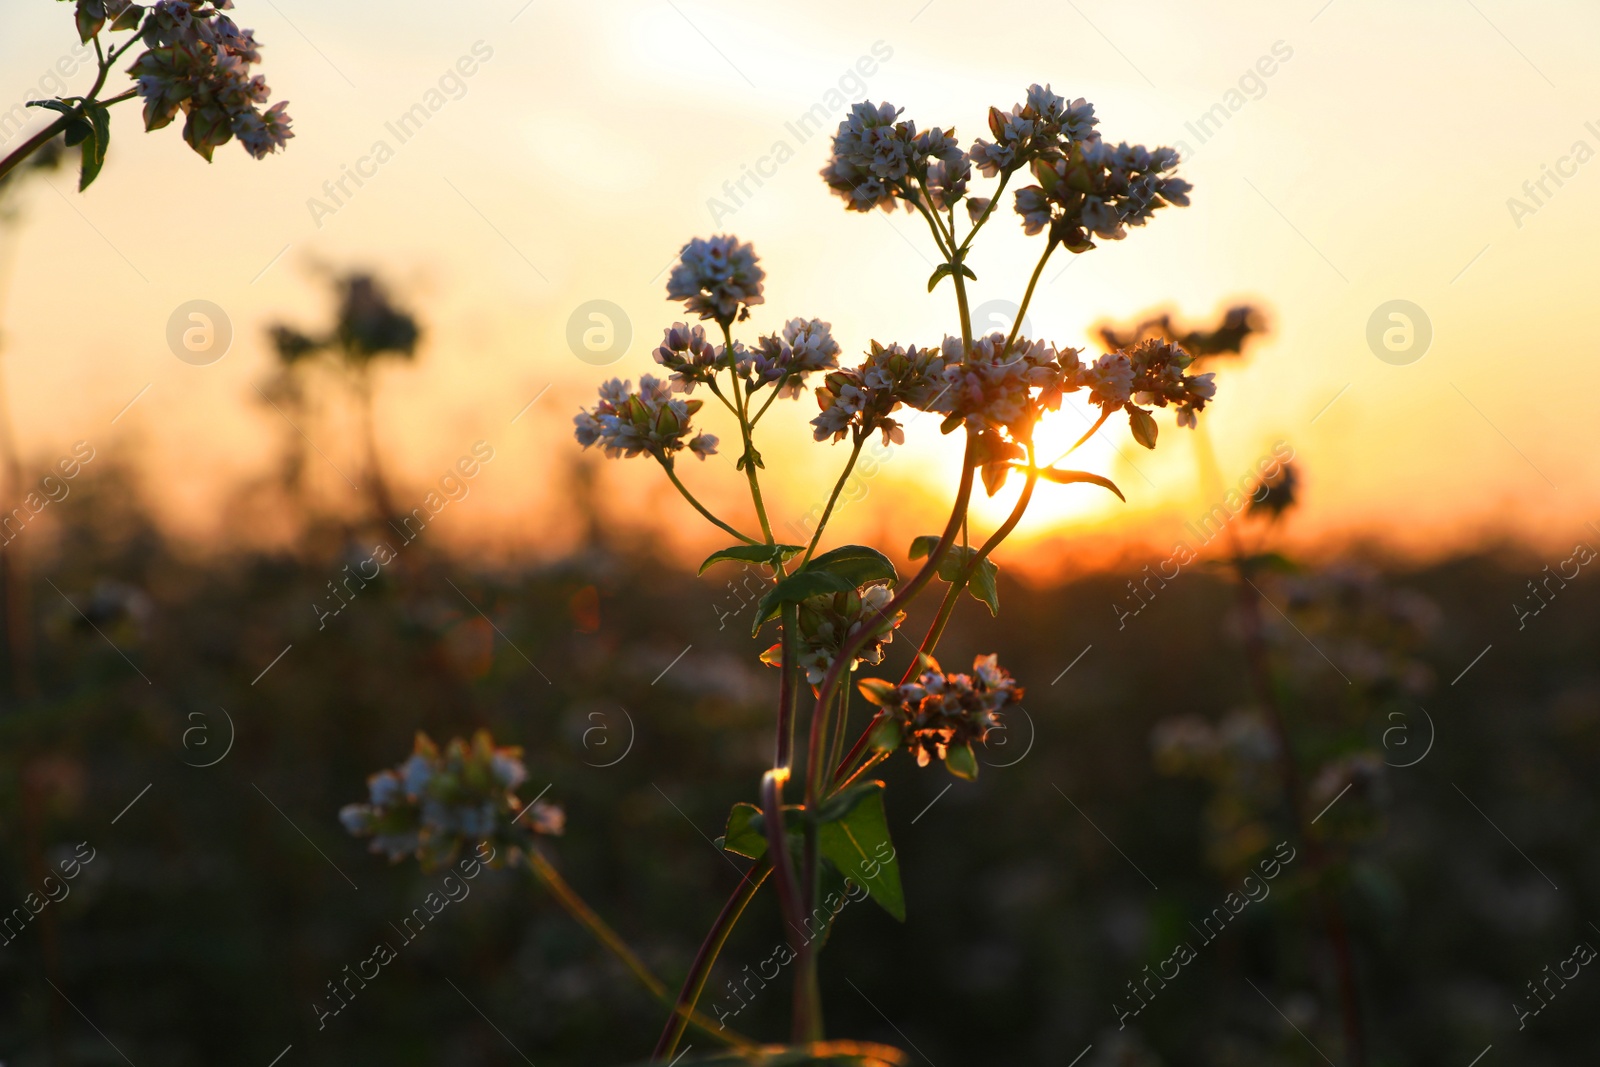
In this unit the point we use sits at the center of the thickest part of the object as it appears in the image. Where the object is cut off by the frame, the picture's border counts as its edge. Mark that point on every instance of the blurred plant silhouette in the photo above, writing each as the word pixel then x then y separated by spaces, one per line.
pixel 367 327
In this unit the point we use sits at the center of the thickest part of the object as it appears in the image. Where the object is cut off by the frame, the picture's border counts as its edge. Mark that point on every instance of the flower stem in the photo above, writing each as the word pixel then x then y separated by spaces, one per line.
pixel 568 898
pixel 666 465
pixel 907 592
pixel 700 970
pixel 838 488
pixel 748 462
pixel 788 687
pixel 993 200
pixel 953 594
pixel 791 900
pixel 1027 296
pixel 38 140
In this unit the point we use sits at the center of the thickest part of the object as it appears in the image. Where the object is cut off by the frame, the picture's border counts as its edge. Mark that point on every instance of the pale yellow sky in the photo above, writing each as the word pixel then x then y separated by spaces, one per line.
pixel 1374 163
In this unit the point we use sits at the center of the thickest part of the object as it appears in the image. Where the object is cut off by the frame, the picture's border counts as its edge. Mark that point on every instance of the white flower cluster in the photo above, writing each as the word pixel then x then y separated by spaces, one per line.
pixel 199 62
pixel 438 801
pixel 1045 122
pixel 877 158
pixel 1096 189
pixel 717 278
pixel 806 346
pixel 862 399
pixel 1086 186
pixel 940 713
pixel 648 422
pixel 827 622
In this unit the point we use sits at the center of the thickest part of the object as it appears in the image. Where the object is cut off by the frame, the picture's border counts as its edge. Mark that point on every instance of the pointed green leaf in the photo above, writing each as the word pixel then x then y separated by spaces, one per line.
pixel 842 570
pixel 766 554
pixel 859 846
pixel 129 18
pixel 982 585
pixel 745 836
pixel 1143 425
pixel 855 563
pixel 94 147
pixel 843 803
pixel 801 585
pixel 876 690
pixel 1065 477
pixel 960 761
pixel 887 735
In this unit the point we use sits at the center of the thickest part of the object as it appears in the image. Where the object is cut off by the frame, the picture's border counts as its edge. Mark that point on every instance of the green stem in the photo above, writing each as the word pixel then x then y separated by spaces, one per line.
pixel 38 140
pixel 988 211
pixel 776 388
pixel 908 592
pixel 953 594
pixel 666 465
pixel 568 898
pixel 742 411
pixel 1027 296
pixel 841 722
pixel 705 959
pixel 838 488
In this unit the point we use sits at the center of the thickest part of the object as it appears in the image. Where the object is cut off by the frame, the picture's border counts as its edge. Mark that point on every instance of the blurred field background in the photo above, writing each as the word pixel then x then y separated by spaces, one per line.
pixel 164 613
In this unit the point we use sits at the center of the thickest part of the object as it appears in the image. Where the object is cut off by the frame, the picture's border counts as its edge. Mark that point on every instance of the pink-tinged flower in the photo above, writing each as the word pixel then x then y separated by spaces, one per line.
pixel 717 278
pixel 648 422
pixel 941 716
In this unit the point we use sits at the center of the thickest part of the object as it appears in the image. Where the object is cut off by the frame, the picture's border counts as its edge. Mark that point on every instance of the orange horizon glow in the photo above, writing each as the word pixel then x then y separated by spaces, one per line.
pixel 590 145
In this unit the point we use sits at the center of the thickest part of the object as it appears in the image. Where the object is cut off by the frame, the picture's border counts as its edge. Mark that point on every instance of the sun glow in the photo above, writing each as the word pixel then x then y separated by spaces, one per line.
pixel 1057 507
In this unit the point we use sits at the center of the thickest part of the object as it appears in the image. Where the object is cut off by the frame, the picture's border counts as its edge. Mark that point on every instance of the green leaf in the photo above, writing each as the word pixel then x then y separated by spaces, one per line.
pixel 94 147
pixel 982 583
pixel 960 761
pixel 857 564
pixel 767 554
pixel 129 18
pixel 842 570
pixel 54 105
pixel 876 690
pixel 843 803
pixel 801 585
pixel 887 736
pixel 943 270
pixel 745 836
pixel 1143 425
pixel 1064 477
pixel 859 846
pixel 76 130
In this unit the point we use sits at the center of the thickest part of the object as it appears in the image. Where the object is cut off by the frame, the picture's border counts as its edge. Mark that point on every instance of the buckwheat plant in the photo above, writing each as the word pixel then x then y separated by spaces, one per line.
pixel 817 824
pixel 196 61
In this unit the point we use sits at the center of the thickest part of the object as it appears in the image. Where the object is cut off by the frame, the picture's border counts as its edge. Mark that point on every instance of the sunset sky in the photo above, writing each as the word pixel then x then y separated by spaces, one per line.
pixel 588 144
